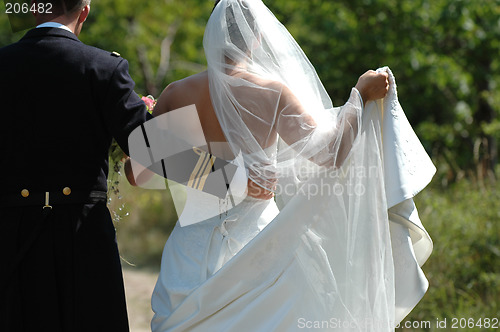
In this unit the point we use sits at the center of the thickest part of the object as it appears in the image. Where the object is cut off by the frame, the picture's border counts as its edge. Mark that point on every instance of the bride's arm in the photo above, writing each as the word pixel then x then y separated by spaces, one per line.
pixel 142 174
pixel 316 138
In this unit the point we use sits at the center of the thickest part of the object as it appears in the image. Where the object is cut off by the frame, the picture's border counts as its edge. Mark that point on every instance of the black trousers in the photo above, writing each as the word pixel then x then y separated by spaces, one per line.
pixel 70 279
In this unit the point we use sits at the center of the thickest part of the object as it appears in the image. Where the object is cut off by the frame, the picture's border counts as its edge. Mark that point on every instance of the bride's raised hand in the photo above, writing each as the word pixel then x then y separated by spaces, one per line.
pixel 372 85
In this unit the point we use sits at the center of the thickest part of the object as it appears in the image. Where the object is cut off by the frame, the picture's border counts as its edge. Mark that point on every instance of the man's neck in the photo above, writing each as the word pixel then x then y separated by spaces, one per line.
pixel 70 23
pixel 54 25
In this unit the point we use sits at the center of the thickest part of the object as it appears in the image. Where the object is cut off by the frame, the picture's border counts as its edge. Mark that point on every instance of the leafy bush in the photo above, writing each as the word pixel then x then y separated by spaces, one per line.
pixel 464 268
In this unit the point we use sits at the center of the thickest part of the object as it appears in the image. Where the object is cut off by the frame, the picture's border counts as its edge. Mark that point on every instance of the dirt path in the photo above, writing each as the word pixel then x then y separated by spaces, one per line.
pixel 139 286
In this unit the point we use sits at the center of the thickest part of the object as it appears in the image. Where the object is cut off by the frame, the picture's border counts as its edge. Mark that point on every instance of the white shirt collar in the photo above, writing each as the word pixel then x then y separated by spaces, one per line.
pixel 54 25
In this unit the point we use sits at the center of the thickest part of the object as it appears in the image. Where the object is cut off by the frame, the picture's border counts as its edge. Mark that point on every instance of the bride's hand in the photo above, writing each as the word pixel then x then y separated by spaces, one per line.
pixel 372 85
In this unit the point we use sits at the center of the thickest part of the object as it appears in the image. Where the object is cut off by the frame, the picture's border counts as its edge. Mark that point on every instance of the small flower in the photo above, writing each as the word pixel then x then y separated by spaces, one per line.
pixel 150 102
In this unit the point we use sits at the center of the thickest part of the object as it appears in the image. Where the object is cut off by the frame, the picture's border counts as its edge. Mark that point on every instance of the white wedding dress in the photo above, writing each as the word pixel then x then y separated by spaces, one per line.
pixel 344 249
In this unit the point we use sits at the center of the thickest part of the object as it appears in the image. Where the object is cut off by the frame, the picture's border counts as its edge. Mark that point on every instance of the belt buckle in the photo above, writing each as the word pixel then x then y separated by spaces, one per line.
pixel 47 201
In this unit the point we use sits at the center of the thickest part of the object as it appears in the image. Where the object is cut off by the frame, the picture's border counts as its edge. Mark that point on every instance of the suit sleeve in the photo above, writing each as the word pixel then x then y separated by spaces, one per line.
pixel 124 109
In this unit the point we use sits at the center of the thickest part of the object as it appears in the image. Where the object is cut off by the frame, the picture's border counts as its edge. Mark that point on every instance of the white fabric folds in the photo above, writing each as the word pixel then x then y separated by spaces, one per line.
pixel 407 170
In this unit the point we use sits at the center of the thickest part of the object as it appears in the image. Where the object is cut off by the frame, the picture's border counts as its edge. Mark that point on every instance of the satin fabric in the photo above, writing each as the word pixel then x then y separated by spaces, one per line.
pixel 407 170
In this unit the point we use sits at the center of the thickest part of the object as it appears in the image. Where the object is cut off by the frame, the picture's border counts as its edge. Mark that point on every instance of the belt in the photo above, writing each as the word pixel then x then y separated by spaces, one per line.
pixel 50 198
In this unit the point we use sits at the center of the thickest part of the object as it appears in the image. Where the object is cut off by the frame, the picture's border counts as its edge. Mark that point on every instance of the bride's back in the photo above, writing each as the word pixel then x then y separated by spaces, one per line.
pixel 194 90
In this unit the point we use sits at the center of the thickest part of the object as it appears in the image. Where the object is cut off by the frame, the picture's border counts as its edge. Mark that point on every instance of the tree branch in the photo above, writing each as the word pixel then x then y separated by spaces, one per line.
pixel 165 52
pixel 147 71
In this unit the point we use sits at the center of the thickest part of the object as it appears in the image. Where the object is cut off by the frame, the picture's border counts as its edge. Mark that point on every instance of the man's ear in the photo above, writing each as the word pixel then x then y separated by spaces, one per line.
pixel 83 14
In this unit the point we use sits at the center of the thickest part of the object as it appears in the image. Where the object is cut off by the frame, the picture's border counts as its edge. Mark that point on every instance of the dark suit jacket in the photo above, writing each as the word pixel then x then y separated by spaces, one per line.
pixel 62 102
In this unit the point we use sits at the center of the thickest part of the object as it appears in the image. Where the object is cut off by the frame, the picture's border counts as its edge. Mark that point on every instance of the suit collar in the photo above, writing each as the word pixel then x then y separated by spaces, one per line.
pixel 50 32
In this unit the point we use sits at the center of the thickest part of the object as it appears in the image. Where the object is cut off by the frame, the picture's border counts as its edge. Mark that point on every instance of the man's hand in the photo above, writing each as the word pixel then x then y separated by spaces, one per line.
pixel 372 85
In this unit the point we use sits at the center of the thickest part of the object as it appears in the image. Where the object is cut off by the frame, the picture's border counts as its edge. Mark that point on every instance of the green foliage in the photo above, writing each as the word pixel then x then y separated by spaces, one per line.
pixel 143 223
pixel 464 268
pixel 136 29
pixel 6 35
pixel 444 54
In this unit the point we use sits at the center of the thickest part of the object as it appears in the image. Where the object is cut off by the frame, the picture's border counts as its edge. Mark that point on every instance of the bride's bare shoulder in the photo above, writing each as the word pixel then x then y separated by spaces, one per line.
pixel 182 93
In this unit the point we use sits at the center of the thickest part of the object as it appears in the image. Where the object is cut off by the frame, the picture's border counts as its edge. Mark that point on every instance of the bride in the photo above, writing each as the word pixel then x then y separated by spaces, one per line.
pixel 324 258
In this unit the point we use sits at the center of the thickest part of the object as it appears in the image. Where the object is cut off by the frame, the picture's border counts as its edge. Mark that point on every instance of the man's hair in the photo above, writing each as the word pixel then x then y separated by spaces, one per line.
pixel 61 7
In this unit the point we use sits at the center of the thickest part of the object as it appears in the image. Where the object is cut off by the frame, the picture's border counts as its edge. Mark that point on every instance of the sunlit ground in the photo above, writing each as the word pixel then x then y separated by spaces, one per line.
pixel 139 284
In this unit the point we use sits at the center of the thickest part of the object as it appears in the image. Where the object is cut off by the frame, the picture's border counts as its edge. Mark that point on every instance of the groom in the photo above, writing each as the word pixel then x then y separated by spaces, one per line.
pixel 62 103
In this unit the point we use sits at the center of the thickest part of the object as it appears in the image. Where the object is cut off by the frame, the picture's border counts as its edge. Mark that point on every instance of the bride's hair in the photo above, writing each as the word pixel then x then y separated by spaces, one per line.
pixel 233 29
